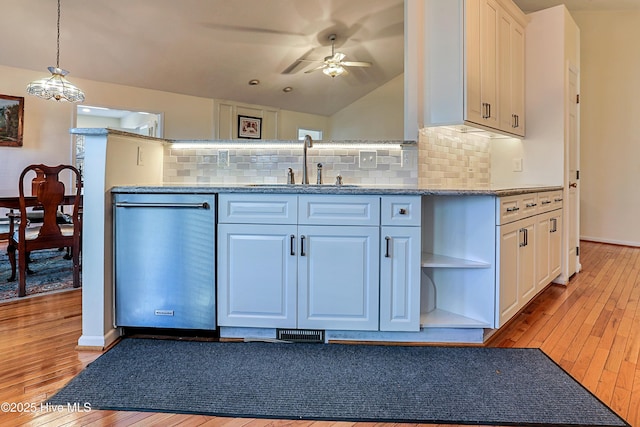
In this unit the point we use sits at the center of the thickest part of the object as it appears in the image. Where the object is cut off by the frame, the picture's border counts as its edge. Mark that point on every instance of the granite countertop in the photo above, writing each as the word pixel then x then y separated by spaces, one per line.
pixel 330 189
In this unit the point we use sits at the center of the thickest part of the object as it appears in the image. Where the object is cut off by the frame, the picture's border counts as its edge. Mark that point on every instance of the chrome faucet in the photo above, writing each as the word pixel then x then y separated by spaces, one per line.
pixel 308 143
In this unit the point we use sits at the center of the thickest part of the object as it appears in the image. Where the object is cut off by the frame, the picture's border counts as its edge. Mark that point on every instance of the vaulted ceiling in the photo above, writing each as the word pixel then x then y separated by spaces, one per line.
pixel 213 48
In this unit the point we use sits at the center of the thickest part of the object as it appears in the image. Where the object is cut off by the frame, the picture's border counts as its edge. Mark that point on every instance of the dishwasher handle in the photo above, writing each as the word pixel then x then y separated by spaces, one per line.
pixel 203 205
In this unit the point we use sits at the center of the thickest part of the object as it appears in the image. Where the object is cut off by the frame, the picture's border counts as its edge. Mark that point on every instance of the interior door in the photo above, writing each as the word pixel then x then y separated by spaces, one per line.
pixel 573 138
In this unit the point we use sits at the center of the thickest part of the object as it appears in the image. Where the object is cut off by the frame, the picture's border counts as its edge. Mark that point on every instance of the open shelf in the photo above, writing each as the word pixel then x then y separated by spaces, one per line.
pixel 446 319
pixel 441 261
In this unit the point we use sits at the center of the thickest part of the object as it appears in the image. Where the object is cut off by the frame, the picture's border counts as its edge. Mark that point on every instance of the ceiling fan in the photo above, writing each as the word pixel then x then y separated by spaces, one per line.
pixel 334 65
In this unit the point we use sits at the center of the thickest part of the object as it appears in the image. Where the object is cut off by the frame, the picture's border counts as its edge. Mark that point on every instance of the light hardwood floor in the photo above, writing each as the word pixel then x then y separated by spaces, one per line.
pixel 591 328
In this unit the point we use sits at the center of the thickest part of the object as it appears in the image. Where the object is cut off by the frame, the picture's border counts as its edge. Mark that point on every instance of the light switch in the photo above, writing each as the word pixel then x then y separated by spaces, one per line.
pixel 517 164
pixel 140 159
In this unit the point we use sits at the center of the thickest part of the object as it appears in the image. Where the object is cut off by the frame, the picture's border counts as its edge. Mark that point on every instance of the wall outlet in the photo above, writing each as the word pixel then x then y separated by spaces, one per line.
pixel 223 158
pixel 368 159
pixel 517 164
pixel 140 157
pixel 409 158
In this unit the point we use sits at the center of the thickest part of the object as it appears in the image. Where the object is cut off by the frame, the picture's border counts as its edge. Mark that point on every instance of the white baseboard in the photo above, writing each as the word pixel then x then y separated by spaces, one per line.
pixel 610 241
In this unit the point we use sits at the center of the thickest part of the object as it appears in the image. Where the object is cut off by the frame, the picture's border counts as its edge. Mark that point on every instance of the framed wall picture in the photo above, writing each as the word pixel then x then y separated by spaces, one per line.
pixel 11 117
pixel 249 127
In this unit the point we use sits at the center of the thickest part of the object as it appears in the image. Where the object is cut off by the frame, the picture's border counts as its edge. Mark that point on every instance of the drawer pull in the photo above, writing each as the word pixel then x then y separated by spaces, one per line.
pixel 546 202
pixel 513 209
pixel 302 246
pixel 386 254
pixel 402 211
pixel 531 205
pixel 558 200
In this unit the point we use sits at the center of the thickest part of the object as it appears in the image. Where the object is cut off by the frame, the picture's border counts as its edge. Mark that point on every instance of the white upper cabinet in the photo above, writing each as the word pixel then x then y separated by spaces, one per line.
pixel 471 54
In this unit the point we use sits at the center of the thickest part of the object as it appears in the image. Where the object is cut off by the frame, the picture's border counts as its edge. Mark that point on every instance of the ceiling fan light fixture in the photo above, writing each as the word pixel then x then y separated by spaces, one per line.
pixel 57 86
pixel 333 70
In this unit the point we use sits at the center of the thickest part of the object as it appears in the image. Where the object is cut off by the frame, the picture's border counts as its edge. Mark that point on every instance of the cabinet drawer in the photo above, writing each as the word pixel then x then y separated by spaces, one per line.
pixel 557 199
pixel 401 210
pixel 342 210
pixel 512 208
pixel 549 201
pixel 257 209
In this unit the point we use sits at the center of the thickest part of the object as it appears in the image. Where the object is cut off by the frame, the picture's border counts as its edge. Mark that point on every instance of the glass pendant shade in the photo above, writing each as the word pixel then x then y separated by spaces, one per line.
pixel 333 70
pixel 55 87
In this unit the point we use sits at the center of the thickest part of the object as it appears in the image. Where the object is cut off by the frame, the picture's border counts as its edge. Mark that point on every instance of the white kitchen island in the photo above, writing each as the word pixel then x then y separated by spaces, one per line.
pixel 459 267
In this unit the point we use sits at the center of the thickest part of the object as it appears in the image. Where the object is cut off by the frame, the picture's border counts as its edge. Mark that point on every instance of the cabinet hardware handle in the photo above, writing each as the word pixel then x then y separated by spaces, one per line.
pixel 546 202
pixel 402 211
pixel 532 205
pixel 489 110
pixel 386 254
pixel 514 121
pixel 521 237
pixel 573 185
pixel 302 246
pixel 292 243
pixel 557 200
pixel 513 209
pixel 555 225
pixel 526 237
pixel 203 205
pixel 517 121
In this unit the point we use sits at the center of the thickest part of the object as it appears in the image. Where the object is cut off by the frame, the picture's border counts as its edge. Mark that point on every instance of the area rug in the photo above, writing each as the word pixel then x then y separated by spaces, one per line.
pixel 51 272
pixel 452 385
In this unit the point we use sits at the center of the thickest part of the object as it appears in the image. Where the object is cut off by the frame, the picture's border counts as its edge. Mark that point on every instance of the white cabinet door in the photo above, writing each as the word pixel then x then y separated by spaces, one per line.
pixel 400 279
pixel 482 62
pixel 517 79
pixel 555 244
pixel 517 284
pixel 489 15
pixel 543 239
pixel 511 74
pixel 509 239
pixel 257 272
pixel 338 277
pixel 526 261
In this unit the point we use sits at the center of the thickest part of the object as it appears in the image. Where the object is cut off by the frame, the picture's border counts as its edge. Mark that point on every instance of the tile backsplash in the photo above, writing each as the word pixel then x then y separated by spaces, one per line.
pixel 449 158
pixel 239 162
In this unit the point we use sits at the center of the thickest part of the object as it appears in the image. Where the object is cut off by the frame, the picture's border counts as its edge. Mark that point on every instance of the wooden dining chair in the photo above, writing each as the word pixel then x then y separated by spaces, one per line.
pixel 49 233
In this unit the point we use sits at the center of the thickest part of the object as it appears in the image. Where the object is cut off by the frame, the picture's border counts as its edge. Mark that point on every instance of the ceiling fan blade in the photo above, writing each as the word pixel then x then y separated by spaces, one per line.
pixel 315 69
pixel 356 64
pixel 338 56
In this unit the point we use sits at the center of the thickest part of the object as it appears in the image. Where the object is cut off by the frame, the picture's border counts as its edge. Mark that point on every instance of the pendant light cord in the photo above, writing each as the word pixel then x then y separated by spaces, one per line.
pixel 58 44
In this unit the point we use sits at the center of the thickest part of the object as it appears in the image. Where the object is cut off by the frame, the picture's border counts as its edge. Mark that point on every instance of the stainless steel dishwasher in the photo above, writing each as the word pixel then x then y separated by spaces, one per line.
pixel 164 247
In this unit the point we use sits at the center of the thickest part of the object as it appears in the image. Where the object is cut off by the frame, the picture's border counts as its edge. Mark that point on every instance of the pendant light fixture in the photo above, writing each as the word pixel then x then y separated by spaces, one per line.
pixel 57 86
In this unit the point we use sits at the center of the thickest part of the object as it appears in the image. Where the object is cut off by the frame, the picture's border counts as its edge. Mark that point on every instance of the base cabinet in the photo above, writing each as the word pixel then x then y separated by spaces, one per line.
pixel 257 275
pixel 287 262
pixel 529 247
pixel 400 278
pixel 517 285
pixel 338 278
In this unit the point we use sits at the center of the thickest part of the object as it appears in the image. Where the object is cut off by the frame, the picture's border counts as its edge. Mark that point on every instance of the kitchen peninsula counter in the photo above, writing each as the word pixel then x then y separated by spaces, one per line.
pixel 345 189
pixel 424 264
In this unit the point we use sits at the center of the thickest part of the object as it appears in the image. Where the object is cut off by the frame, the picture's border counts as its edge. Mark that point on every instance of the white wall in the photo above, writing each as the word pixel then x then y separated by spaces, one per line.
pixel 610 145
pixel 46 123
pixel 377 116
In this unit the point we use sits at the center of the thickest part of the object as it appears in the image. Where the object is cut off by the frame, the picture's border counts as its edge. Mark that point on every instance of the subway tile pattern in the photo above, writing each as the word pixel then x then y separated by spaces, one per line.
pixel 449 158
pixel 202 162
